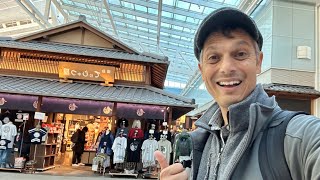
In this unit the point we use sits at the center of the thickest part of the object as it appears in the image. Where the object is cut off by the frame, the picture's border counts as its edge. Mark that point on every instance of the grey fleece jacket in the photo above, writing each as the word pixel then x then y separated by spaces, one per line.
pixel 237 157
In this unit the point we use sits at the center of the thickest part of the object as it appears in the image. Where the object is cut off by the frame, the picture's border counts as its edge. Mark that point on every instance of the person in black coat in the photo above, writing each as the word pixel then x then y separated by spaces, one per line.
pixel 78 148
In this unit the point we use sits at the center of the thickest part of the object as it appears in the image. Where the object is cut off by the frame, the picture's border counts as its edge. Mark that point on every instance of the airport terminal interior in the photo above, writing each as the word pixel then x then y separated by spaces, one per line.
pixel 125 70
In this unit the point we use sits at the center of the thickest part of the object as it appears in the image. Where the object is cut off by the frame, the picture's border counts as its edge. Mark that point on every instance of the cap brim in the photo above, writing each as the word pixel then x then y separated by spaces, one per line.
pixel 224 17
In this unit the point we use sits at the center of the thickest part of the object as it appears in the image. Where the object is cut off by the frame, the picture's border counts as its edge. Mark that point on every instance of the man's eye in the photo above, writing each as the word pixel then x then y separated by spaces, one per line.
pixel 241 55
pixel 213 59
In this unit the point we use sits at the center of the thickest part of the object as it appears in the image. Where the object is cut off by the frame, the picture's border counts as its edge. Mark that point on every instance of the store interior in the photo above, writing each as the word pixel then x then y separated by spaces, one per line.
pixel 53 153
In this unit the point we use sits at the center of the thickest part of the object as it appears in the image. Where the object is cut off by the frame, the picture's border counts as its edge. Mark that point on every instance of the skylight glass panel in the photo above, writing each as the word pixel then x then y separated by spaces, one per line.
pixel 154 0
pixel 186 39
pixel 191 20
pixel 168 2
pixel 153 39
pixel 167 14
pixel 207 10
pixel 179 17
pixel 142 19
pixel 232 2
pixel 152 11
pixel 122 32
pixel 164 33
pixel 131 34
pixel 177 27
pixel 196 8
pixel 186 30
pixel 116 13
pixel 127 5
pixel 68 2
pixel 116 2
pixel 144 37
pixel 152 31
pixel 152 22
pixel 175 36
pixel 163 41
pixel 141 8
pixel 183 5
pixel 165 25
pixel 132 26
pixel 143 29
pixel 129 16
pixel 80 4
pixel 120 23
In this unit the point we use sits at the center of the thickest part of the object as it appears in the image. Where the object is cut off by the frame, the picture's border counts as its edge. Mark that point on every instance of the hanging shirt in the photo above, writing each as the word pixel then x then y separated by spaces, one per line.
pixel 119 148
pixel 149 146
pixel 36 135
pixel 139 134
pixel 8 132
pixel 134 149
pixel 165 147
pixel 4 144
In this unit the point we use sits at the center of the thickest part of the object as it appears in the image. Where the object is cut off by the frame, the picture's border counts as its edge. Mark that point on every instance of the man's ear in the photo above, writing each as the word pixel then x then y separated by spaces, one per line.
pixel 259 62
pixel 200 69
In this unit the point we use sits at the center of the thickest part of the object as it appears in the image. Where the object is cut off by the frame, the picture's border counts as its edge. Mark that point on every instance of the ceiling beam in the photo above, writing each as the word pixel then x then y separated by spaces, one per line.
pixel 64 14
pixel 210 4
pixel 135 13
pixel 36 12
pixel 154 5
pixel 31 14
pixel 159 23
pixel 106 5
pixel 47 9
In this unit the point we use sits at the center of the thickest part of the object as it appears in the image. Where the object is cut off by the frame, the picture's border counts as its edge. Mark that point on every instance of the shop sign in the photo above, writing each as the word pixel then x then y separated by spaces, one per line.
pixel 17 101
pixel 86 72
pixel 22 117
pixel 139 111
pixel 39 115
pixel 76 106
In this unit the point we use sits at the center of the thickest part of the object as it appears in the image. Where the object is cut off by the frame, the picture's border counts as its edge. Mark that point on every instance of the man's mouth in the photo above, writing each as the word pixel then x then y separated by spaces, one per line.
pixel 229 83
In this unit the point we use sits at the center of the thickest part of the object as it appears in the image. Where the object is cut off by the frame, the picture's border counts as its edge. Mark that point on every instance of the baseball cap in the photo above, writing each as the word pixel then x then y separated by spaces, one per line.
pixel 226 17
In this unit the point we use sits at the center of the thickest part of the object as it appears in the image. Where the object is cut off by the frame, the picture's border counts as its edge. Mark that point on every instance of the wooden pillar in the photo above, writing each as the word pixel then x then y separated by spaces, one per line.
pixel 36 121
pixel 114 118
pixel 148 75
pixel 169 117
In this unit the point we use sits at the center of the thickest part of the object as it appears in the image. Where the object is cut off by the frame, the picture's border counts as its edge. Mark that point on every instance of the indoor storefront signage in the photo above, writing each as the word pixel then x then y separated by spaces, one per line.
pixel 139 111
pixel 76 106
pixel 17 102
pixel 86 72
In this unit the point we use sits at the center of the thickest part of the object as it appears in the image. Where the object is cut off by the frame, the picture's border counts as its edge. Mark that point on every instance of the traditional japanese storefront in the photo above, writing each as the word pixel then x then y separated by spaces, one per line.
pixel 78 75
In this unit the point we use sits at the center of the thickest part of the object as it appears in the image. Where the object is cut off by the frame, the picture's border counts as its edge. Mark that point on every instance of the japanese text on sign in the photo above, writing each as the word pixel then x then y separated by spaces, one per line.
pixel 86 72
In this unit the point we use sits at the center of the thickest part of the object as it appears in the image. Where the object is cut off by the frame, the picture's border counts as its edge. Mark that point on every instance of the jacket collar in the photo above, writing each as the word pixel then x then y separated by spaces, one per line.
pixel 239 118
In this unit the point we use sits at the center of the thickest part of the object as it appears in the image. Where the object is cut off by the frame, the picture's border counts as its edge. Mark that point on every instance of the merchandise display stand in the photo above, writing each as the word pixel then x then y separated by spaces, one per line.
pixel 150 174
pixel 125 173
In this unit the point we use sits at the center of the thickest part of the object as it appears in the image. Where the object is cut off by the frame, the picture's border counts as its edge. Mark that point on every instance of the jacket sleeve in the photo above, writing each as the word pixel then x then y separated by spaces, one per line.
pixel 302 147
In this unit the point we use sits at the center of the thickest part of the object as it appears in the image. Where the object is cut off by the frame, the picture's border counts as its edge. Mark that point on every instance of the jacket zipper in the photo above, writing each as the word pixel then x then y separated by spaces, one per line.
pixel 216 169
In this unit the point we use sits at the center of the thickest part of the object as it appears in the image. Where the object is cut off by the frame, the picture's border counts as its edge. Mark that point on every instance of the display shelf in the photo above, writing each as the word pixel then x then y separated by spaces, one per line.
pixel 12 169
pixel 45 168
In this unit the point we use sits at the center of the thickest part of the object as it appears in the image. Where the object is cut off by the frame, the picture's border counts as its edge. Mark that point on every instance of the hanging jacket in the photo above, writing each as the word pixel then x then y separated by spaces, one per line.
pixel 237 156
pixel 106 142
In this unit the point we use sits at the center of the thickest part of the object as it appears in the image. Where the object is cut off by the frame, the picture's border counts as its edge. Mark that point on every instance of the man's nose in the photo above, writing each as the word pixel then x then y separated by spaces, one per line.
pixel 227 65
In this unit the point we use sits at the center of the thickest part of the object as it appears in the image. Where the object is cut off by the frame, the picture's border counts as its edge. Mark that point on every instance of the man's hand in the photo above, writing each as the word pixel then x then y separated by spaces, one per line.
pixel 173 172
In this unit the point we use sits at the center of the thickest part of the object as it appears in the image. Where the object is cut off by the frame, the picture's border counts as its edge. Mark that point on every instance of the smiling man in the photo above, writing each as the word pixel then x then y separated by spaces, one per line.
pixel 227 142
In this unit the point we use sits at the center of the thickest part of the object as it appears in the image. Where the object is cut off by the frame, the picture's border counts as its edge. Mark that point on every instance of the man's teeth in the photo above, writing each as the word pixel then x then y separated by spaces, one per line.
pixel 231 83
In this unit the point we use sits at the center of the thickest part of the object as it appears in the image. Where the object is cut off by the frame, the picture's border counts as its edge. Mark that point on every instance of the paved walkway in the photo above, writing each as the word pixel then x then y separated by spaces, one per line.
pixel 39 176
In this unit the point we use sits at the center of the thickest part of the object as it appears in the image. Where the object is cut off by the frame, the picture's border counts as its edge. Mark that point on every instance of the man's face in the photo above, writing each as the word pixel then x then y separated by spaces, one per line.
pixel 229 66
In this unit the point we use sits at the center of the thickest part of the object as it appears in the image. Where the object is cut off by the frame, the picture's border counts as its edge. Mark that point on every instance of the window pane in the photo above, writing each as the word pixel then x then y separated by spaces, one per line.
pixel 141 8
pixel 197 8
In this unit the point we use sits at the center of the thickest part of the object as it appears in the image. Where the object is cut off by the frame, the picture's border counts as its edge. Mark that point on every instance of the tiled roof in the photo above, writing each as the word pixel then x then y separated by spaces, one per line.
pixel 291 89
pixel 82 90
pixel 80 50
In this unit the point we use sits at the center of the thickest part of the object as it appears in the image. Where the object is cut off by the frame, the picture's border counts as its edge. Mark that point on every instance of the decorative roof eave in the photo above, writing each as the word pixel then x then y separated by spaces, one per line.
pixel 81 90
pixel 291 91
pixel 80 50
pixel 76 24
